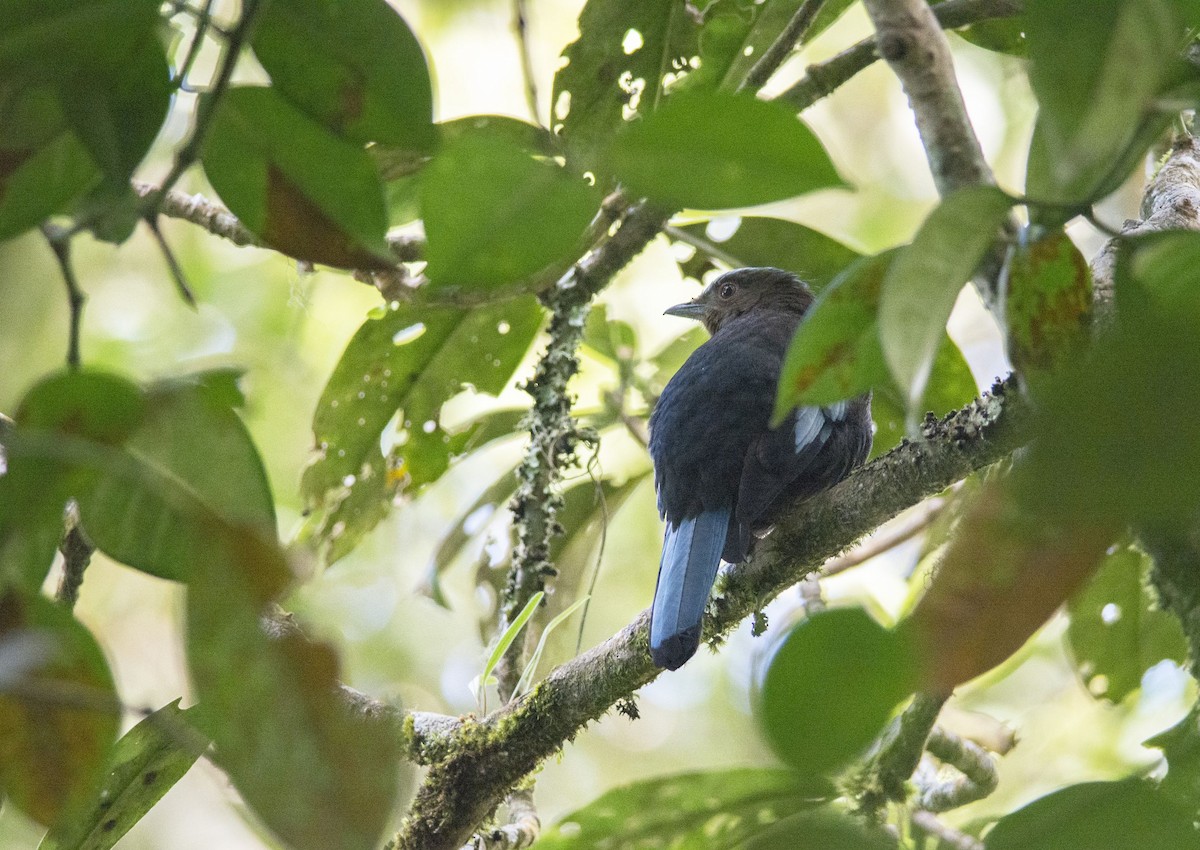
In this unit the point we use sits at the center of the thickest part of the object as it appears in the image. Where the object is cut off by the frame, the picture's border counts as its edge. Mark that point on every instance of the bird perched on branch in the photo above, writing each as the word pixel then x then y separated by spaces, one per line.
pixel 721 472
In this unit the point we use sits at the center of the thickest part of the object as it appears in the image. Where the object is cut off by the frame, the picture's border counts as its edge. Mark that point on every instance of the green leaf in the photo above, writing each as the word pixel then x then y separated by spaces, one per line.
pixel 59 712
pixel 749 152
pixel 951 386
pixel 274 709
pixel 526 680
pixel 354 67
pixel 146 763
pixel 301 189
pixel 43 166
pixel 118 112
pixel 1116 633
pixel 622 47
pixel 924 281
pixel 1092 101
pixel 1047 304
pixel 1003 35
pixel 1180 746
pixel 45 40
pixel 505 640
pixel 1126 815
pixel 408 359
pixel 829 688
pixel 824 829
pixel 39 483
pixel 835 353
pixel 494 215
pixel 1117 439
pixel 760 241
pixel 711 810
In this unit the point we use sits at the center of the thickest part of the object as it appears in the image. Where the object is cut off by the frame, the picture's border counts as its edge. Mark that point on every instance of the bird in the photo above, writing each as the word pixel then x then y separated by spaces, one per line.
pixel 721 472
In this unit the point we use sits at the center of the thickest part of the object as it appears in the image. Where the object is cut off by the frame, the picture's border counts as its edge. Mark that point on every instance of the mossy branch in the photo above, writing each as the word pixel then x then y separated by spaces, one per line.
pixel 494 755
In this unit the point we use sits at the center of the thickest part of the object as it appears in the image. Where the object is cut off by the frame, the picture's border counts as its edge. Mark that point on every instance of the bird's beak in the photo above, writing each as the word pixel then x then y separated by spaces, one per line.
pixel 687 310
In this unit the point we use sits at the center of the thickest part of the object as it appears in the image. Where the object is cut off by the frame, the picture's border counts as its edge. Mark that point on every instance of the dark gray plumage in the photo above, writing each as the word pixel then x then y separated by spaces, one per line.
pixel 721 473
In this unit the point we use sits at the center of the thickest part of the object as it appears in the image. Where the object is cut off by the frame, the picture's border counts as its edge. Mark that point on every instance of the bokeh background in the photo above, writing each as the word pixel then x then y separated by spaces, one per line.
pixel 286 328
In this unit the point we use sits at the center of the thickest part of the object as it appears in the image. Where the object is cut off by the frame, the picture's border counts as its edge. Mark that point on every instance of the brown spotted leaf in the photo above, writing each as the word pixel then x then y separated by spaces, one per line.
pixel 58 709
pixel 1047 304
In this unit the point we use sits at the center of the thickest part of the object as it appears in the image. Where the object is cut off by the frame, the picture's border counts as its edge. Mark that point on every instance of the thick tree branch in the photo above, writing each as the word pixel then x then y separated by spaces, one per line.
pixel 911 41
pixel 510 743
pixel 1170 202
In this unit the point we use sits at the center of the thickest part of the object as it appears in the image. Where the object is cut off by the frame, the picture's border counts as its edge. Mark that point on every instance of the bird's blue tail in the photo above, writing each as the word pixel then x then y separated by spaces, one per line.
pixel 691 555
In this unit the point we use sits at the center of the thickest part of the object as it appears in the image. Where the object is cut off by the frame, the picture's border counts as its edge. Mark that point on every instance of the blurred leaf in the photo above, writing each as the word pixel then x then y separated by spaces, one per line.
pixel 273 708
pixel 1160 272
pixel 1003 35
pixel 829 688
pixel 690 811
pixel 835 353
pixel 354 66
pixel 951 386
pixel 146 763
pixel 189 439
pixel 117 112
pixel 1004 573
pixel 611 338
pixel 925 279
pixel 824 829
pixel 829 14
pixel 623 48
pixel 43 166
pixel 1047 303
pixel 1180 746
pixel 1096 77
pixel 760 241
pixel 1116 633
pixel 749 152
pixel 1118 438
pixel 472 521
pixel 57 39
pixel 409 359
pixel 39 483
pixel 494 215
pixel 301 189
pixel 530 138
pixel 59 712
pixel 1126 815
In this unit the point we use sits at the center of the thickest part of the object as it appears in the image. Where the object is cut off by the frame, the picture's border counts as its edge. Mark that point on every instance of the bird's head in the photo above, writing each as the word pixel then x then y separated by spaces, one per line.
pixel 742 290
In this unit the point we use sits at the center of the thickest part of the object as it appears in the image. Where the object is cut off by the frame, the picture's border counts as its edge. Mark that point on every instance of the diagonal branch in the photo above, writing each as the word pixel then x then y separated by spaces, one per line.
pixel 511 742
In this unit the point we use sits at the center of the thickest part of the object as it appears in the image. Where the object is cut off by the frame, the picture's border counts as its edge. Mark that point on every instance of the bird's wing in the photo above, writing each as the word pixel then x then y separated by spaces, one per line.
pixel 792 458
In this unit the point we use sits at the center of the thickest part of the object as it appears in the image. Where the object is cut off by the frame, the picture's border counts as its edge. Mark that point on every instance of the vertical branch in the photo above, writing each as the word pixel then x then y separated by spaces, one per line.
pixel 900 751
pixel 521 29
pixel 60 244
pixel 911 41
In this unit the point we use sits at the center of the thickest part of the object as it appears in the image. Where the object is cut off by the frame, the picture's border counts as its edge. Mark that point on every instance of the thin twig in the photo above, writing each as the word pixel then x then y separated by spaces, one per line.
pixel 701 244
pixel 822 78
pixel 900 751
pixel 920 520
pixel 60 244
pixel 77 553
pixel 181 284
pixel 946 834
pixel 203 21
pixel 522 829
pixel 206 109
pixel 779 50
pixel 521 29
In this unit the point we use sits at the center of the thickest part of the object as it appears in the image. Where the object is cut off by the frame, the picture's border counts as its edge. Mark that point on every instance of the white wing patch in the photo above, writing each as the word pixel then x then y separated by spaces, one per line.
pixel 809 421
pixel 837 411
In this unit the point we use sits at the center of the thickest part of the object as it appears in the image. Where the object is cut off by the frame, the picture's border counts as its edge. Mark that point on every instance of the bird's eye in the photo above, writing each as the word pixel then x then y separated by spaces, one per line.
pixel 727 290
